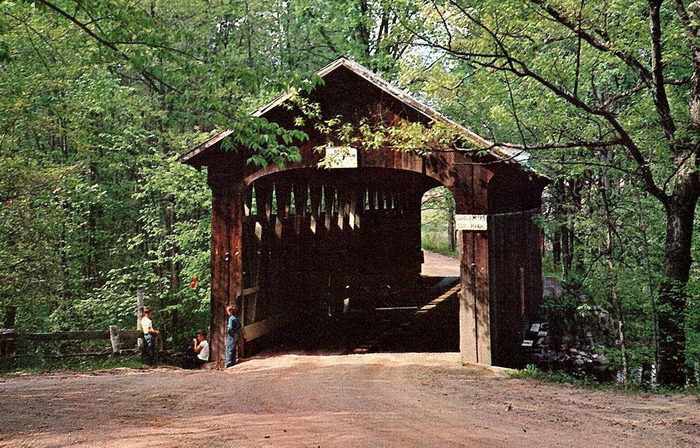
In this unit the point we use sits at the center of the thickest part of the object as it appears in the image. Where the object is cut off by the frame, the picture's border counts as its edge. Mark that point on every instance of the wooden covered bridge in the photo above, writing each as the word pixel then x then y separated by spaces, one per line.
pixel 293 243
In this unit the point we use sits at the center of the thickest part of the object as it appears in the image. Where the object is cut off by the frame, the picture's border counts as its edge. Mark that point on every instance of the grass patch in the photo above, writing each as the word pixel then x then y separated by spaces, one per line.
pixel 437 242
pixel 532 372
pixel 79 364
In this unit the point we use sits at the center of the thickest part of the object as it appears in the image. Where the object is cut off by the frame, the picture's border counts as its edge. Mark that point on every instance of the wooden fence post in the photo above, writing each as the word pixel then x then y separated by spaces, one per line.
pixel 114 339
pixel 139 316
pixel 7 348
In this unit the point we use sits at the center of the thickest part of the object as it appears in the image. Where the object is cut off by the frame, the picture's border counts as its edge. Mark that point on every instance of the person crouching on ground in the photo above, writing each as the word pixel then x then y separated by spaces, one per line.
pixel 197 354
pixel 233 328
pixel 149 335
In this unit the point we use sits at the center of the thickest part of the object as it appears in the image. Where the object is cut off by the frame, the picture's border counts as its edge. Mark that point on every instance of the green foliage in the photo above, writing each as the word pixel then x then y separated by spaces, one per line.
pixel 374 133
pixel 97 101
pixel 532 372
pixel 438 242
pixel 437 222
pixel 519 73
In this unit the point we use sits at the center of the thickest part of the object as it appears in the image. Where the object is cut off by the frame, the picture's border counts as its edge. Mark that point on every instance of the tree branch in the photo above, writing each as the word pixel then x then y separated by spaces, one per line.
pixel 149 77
pixel 614 99
pixel 563 145
pixel 684 18
pixel 592 164
pixel 521 69
pixel 663 108
pixel 626 57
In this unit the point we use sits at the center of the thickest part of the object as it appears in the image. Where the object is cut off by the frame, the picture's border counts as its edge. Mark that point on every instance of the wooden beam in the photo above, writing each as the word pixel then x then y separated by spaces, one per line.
pixel 262 328
pixel 71 335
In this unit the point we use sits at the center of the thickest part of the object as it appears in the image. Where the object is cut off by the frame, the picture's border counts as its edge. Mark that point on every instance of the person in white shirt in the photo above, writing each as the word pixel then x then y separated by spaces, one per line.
pixel 198 354
pixel 149 336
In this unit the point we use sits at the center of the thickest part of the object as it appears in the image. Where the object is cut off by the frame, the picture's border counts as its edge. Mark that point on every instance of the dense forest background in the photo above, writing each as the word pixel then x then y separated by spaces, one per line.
pixel 99 98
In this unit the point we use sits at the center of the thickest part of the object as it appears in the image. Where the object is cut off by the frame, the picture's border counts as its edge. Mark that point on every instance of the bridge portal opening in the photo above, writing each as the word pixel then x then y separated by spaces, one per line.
pixel 438 233
pixel 332 261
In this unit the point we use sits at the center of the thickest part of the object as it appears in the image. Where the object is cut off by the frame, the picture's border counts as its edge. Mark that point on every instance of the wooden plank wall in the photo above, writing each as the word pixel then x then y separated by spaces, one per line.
pixel 308 238
pixel 515 282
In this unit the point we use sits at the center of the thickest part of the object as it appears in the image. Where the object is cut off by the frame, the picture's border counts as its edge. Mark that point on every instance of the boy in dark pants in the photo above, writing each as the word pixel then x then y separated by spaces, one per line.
pixel 233 328
pixel 197 354
pixel 149 335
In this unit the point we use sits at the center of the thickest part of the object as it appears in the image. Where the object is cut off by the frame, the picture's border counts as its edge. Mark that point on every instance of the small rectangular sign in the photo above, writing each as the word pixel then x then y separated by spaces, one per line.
pixel 470 222
pixel 341 157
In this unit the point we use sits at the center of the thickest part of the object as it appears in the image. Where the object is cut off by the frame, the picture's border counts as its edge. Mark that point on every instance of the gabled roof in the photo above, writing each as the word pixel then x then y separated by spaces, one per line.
pixel 376 80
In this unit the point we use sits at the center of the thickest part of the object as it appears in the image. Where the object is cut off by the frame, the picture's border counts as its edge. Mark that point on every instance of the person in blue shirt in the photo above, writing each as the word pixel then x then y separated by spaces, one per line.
pixel 233 329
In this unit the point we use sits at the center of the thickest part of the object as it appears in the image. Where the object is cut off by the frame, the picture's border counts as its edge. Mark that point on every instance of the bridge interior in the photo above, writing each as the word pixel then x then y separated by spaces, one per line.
pixel 332 260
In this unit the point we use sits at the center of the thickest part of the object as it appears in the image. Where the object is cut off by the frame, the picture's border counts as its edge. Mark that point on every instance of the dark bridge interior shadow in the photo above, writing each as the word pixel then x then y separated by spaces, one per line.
pixel 417 317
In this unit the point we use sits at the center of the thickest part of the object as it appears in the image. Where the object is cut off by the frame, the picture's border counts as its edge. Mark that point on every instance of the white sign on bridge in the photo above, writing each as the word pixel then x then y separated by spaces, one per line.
pixel 471 222
pixel 341 157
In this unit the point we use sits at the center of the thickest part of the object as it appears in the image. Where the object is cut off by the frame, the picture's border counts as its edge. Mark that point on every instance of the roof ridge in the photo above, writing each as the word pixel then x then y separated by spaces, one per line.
pixel 379 82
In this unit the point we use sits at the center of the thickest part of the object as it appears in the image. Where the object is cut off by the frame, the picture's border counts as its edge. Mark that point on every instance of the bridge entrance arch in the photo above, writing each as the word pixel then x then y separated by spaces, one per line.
pixel 301 239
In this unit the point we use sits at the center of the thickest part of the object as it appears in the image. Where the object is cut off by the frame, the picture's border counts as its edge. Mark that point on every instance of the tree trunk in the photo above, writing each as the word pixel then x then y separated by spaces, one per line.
pixel 451 223
pixel 566 251
pixel 556 251
pixel 672 298
pixel 612 273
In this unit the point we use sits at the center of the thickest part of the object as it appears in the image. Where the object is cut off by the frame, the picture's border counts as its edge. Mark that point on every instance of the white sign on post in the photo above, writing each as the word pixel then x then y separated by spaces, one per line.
pixel 471 222
pixel 341 157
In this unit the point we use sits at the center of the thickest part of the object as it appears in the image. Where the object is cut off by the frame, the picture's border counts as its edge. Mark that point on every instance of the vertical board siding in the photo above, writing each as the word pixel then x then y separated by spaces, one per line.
pixel 302 259
pixel 513 262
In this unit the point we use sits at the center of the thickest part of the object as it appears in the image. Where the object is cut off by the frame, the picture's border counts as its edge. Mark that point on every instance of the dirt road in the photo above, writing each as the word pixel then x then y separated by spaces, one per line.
pixel 401 400
pixel 437 265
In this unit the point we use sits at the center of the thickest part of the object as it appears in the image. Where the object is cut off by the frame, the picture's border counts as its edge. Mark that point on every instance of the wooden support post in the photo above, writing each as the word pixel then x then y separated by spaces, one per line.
pixel 114 339
pixel 263 199
pixel 342 209
pixel 315 193
pixel 284 193
pixel 301 195
pixel 228 197
pixel 522 292
pixel 410 202
pixel 355 211
pixel 475 301
pixel 7 348
pixel 328 199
